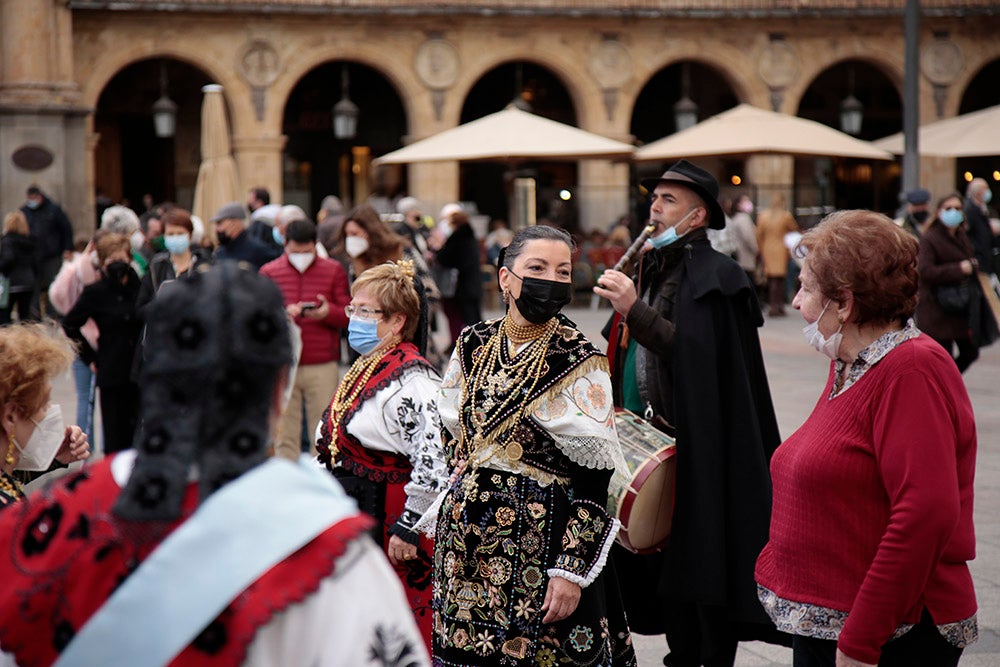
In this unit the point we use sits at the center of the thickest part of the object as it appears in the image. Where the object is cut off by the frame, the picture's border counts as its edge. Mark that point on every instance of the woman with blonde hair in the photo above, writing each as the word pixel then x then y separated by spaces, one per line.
pixel 381 434
pixel 19 265
pixel 31 426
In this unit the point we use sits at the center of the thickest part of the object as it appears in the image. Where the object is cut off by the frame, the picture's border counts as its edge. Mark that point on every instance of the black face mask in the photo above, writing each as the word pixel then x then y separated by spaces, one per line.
pixel 117 271
pixel 223 237
pixel 541 300
pixel 921 216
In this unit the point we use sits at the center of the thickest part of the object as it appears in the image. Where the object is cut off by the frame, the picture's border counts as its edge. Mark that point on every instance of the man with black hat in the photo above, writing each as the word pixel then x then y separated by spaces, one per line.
pixel 686 355
pixel 914 219
pixel 195 547
pixel 234 241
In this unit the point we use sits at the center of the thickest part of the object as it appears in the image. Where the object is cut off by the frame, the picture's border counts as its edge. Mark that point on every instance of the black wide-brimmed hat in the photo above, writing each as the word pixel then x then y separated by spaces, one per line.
pixel 698 180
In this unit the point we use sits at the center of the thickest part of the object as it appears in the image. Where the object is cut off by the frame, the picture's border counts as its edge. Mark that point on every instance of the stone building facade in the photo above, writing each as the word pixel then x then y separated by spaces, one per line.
pixel 57 57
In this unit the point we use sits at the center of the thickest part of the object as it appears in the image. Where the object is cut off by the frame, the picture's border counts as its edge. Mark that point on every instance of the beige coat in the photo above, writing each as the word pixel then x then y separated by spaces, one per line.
pixel 772 225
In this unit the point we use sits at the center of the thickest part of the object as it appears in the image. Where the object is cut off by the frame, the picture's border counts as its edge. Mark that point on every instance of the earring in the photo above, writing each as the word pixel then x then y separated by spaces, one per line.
pixel 9 459
pixel 506 296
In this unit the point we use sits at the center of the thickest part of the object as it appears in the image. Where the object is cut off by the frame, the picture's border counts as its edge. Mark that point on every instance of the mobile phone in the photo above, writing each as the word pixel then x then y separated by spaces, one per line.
pixel 309 305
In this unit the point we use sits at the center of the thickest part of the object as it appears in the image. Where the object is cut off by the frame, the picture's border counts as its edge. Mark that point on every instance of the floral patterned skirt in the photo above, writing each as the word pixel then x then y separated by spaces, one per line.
pixel 497 535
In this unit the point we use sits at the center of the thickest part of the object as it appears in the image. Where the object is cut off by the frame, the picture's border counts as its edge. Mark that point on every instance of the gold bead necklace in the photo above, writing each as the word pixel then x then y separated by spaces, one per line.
pixel 514 381
pixel 10 486
pixel 352 386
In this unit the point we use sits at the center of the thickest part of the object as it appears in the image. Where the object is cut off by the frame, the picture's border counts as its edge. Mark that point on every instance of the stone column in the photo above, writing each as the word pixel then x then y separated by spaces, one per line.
pixel 435 184
pixel 42 138
pixel 259 163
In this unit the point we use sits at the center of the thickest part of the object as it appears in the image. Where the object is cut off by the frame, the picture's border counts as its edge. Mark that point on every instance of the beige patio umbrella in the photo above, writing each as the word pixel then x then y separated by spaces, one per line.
pixel 218 182
pixel 974 134
pixel 750 130
pixel 511 135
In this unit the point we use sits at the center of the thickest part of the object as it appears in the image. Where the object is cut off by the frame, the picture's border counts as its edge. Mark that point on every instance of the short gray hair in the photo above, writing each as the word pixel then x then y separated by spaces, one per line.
pixel 120 219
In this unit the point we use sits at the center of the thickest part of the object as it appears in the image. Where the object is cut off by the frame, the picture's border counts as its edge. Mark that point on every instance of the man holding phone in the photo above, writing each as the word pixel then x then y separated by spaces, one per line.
pixel 316 292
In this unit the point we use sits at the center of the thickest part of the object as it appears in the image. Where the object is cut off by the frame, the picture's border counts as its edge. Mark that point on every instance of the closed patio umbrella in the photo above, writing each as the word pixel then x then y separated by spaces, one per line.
pixel 749 130
pixel 218 182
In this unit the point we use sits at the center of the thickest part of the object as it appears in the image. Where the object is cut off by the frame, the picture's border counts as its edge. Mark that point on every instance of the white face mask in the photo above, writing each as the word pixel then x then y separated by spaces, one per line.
pixel 38 453
pixel 445 228
pixel 136 240
pixel 301 260
pixel 356 245
pixel 828 346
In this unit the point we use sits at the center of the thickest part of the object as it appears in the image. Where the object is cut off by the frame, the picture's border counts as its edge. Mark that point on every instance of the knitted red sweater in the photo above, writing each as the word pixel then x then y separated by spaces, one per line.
pixel 320 338
pixel 872 509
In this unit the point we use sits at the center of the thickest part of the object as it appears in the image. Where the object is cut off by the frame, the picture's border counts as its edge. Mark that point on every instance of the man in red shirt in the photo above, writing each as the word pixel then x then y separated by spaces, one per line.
pixel 316 293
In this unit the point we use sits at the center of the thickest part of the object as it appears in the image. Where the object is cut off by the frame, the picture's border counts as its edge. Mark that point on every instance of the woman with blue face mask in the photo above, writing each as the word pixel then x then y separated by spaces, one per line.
pixel 947 266
pixel 179 258
pixel 381 434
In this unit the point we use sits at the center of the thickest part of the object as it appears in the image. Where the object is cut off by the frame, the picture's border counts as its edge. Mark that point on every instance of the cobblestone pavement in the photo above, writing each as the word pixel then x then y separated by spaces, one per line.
pixel 797 374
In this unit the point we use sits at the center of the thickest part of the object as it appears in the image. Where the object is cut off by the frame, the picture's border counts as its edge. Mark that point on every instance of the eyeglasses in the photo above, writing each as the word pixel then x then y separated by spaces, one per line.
pixel 363 312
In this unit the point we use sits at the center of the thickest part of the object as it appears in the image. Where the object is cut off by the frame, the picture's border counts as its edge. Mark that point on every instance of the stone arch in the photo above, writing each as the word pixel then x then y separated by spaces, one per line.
pixel 407 87
pixel 107 69
pixel 885 62
pixel 723 65
pixel 961 86
pixel 565 71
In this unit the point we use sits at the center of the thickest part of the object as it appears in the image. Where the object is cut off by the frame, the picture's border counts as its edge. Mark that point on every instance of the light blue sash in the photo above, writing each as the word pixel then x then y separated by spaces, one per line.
pixel 237 534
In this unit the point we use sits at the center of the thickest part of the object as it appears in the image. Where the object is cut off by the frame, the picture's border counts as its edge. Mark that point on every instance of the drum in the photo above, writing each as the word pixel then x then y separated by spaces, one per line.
pixel 642 496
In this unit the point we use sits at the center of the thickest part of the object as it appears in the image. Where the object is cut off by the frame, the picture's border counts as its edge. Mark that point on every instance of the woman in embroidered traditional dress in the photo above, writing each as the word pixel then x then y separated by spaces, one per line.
pixel 381 435
pixel 30 425
pixel 871 523
pixel 522 534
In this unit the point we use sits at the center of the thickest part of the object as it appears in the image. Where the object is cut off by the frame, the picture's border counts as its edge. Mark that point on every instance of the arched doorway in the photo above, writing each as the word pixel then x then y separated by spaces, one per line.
pixel 130 160
pixel 489 185
pixel 317 163
pixel 981 93
pixel 851 183
pixel 655 116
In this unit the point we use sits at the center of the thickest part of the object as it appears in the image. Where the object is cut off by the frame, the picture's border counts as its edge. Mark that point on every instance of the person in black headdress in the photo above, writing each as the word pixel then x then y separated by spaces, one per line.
pixel 196 548
pixel 381 434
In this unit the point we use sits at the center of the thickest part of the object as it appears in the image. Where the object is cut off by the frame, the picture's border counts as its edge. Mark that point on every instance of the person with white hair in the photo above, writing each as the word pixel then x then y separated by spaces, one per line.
pixel 123 220
pixel 412 225
pixel 290 213
pixel 262 225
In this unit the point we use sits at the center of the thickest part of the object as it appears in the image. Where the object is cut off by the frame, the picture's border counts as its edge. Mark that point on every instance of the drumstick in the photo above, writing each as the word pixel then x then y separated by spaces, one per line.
pixel 634 248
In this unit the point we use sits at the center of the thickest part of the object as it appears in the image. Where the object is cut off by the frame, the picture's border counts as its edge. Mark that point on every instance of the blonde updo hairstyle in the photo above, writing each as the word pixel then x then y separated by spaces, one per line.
pixel 391 284
pixel 30 356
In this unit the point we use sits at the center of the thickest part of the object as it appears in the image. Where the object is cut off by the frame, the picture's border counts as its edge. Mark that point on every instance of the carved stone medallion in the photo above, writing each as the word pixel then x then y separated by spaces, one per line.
pixel 258 63
pixel 611 64
pixel 436 63
pixel 941 62
pixel 778 64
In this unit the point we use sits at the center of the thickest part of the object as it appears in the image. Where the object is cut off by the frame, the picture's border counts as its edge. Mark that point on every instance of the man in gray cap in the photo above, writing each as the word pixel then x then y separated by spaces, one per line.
pixel 914 219
pixel 234 241
pixel 685 354
pixel 194 547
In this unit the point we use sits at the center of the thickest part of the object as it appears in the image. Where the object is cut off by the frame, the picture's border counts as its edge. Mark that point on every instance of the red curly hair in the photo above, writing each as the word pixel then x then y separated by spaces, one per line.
pixel 867 255
pixel 30 356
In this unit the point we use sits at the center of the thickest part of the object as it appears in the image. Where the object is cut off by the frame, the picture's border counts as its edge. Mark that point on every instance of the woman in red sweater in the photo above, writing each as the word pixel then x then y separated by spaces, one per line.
pixel 871 525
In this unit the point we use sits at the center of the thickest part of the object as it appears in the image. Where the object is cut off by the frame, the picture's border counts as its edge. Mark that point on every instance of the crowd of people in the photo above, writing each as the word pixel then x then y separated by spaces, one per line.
pixel 450 505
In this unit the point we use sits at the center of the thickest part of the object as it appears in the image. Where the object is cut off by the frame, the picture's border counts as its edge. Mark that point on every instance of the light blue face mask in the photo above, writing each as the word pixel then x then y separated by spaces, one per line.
pixel 362 335
pixel 987 196
pixel 176 244
pixel 670 235
pixel 276 235
pixel 951 217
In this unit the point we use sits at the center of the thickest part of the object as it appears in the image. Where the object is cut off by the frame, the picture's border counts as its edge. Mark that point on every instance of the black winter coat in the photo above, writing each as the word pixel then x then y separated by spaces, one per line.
pixel 726 432
pixel 18 261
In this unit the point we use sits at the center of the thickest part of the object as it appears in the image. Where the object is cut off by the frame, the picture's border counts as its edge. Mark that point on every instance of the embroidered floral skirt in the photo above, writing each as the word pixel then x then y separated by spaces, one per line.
pixel 497 535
